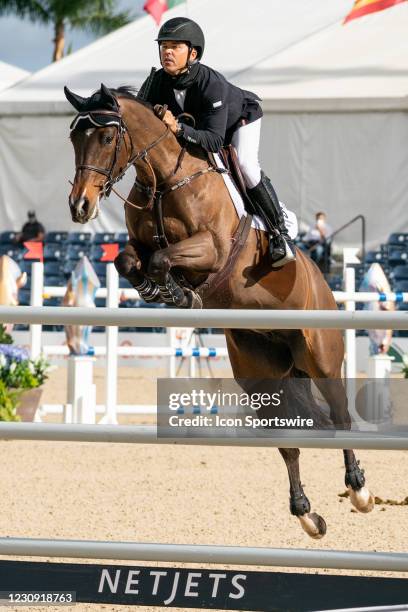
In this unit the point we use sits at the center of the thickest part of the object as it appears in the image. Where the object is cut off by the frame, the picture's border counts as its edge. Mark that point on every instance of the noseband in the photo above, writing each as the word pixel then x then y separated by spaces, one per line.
pixel 106 118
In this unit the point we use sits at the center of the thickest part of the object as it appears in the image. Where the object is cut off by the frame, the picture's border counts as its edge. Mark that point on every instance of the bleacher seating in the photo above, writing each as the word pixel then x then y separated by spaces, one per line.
pixel 60 237
pixel 398 239
pixel 397 256
pixel 121 238
pixel 104 237
pixel 76 251
pixel 79 238
pixel 401 285
pixel 96 252
pixel 400 273
pixel 374 257
pixel 8 237
pixel 54 251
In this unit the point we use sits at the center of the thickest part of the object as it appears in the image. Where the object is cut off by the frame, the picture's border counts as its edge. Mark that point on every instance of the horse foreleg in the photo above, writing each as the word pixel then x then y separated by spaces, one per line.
pixel 312 523
pixel 195 254
pixel 129 265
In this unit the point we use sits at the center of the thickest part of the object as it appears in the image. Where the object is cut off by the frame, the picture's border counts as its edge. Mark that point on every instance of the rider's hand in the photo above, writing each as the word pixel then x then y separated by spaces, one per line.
pixel 170 120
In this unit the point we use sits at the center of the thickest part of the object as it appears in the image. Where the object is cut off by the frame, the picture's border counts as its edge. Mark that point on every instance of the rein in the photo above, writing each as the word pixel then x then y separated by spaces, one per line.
pixel 121 131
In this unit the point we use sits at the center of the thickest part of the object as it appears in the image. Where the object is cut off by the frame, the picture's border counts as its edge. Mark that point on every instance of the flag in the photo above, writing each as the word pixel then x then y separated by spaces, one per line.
pixel 365 7
pixel 156 8
pixel 110 251
pixel 34 250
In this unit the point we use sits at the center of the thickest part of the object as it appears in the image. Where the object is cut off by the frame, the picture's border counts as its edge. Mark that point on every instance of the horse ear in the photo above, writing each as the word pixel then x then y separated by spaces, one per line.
pixel 108 96
pixel 74 99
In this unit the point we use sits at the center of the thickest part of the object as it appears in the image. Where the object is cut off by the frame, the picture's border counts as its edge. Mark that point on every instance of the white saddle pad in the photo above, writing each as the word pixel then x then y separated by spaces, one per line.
pixel 257 223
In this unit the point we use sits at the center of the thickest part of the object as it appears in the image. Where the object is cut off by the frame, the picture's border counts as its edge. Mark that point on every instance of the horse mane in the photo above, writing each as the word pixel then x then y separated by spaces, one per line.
pixel 130 93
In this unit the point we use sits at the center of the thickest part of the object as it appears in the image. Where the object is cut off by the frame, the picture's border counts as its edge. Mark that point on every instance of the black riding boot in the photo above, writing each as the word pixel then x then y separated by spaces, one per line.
pixel 266 204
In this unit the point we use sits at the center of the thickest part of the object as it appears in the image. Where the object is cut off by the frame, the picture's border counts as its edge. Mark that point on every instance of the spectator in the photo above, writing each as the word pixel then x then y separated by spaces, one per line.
pixel 32 230
pixel 317 242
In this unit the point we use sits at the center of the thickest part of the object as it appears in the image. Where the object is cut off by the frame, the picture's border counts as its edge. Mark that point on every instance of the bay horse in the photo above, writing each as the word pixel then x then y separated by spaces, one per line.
pixel 175 248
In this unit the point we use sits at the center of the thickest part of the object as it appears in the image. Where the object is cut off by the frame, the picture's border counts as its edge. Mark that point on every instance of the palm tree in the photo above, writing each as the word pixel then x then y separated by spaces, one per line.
pixel 98 16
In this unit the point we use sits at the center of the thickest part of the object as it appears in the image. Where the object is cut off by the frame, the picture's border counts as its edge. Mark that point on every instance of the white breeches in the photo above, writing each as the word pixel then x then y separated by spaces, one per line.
pixel 246 142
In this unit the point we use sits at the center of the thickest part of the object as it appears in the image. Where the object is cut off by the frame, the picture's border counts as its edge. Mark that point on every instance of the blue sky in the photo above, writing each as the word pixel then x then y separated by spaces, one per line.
pixel 29 46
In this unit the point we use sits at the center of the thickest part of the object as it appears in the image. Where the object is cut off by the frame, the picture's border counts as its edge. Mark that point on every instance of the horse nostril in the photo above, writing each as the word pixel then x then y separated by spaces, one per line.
pixel 85 207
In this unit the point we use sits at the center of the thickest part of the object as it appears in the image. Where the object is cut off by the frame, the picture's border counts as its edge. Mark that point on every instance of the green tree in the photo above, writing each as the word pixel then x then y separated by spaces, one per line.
pixel 98 16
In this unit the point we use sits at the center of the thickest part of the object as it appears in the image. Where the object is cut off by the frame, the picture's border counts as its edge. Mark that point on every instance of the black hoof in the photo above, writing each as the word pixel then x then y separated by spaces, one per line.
pixel 354 478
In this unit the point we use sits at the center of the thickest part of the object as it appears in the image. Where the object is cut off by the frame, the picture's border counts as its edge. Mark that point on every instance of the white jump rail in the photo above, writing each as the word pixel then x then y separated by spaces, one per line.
pixel 144 351
pixel 140 434
pixel 217 318
pixel 188 553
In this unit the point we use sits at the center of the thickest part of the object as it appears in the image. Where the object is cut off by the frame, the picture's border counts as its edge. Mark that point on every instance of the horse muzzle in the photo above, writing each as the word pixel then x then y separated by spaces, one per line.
pixel 82 210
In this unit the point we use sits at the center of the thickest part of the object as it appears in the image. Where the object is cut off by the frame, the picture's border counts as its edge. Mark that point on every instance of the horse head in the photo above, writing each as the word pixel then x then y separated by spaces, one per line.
pixel 98 134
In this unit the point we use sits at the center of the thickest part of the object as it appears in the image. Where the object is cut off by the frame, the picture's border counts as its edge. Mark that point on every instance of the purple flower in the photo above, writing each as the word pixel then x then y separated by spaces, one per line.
pixel 14 353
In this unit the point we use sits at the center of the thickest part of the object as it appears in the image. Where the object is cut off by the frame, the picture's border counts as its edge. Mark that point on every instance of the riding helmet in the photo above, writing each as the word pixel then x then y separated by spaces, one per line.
pixel 182 29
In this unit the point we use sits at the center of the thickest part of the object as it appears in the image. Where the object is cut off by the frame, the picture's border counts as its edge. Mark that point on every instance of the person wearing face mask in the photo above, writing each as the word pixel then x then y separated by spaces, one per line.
pixel 224 114
pixel 32 230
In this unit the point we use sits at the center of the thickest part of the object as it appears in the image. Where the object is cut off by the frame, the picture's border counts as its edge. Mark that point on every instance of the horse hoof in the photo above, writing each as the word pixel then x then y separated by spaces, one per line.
pixel 362 499
pixel 314 525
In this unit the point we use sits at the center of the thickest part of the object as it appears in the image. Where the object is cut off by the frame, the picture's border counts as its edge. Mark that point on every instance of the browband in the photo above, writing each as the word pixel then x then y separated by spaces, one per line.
pixel 89 119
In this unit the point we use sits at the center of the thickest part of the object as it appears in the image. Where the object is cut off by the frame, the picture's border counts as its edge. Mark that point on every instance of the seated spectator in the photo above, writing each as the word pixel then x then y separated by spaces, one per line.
pixel 32 230
pixel 317 242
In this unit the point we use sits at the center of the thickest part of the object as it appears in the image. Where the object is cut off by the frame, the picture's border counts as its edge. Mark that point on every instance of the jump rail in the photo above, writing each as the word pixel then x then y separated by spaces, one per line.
pixel 236 319
pixel 188 553
pixel 134 434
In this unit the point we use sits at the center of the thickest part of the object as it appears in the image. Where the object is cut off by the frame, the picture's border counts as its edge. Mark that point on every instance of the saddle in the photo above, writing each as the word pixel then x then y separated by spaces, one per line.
pixel 229 158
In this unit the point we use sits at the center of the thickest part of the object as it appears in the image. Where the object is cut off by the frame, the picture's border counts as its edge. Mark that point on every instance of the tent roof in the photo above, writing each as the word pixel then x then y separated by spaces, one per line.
pixel 9 75
pixel 239 35
pixel 362 65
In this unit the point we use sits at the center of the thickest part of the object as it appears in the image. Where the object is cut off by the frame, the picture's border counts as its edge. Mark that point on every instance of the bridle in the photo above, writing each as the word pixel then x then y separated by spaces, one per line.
pixel 155 196
pixel 121 130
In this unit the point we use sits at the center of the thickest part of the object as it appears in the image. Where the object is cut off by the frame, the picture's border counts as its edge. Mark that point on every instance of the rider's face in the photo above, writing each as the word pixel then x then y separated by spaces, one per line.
pixel 174 56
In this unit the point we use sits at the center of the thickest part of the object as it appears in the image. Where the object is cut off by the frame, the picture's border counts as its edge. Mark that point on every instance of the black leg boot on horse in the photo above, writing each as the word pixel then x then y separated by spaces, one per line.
pixel 266 204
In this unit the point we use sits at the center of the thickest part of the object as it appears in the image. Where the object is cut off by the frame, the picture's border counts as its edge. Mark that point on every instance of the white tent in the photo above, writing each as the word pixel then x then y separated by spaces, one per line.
pixel 333 98
pixel 36 159
pixel 336 122
pixel 9 75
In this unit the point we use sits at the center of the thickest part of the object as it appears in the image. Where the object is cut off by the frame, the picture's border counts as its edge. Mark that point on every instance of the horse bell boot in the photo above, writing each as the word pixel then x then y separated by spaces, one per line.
pixel 266 205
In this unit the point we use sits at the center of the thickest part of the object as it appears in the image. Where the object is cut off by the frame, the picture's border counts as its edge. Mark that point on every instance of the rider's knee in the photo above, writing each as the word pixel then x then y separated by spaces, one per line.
pixel 251 171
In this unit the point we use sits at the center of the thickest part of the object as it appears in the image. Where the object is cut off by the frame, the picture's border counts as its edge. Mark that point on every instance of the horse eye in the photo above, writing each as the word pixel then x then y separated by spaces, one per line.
pixel 107 140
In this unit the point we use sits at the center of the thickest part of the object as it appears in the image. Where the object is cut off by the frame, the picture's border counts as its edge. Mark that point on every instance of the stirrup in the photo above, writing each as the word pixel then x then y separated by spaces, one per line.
pixel 282 254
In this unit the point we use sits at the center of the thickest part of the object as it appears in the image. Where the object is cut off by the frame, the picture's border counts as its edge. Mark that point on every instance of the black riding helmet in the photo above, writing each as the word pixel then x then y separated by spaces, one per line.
pixel 181 29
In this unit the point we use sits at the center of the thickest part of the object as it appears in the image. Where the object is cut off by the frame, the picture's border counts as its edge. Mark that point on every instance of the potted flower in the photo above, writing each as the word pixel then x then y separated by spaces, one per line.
pixel 23 378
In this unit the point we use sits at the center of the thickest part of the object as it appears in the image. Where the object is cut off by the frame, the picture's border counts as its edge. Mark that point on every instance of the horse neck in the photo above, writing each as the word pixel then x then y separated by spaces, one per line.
pixel 144 128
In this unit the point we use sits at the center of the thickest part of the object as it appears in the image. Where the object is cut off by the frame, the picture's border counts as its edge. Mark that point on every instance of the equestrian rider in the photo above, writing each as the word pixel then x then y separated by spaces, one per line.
pixel 224 113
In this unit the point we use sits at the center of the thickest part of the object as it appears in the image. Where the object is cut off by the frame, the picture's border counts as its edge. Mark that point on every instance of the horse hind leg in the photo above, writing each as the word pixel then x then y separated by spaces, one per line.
pixel 273 361
pixel 312 523
pixel 360 496
pixel 314 358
